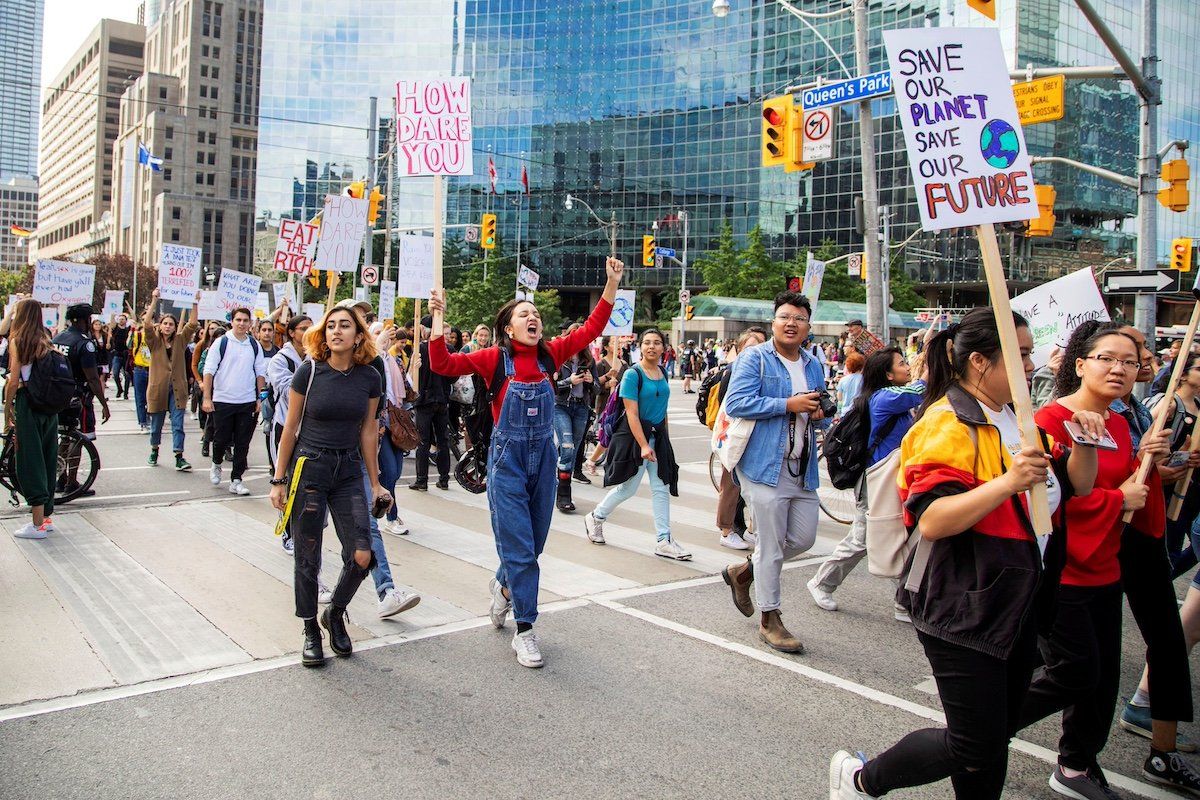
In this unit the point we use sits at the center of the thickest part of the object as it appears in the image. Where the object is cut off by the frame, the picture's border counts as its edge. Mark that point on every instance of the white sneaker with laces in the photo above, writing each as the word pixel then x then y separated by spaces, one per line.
pixel 500 604
pixel 902 616
pixel 528 648
pixel 669 548
pixel 822 598
pixel 237 487
pixel 394 602
pixel 750 539
pixel 31 531
pixel 324 594
pixel 594 528
pixel 733 541
pixel 48 525
pixel 396 527
pixel 214 474
pixel 842 769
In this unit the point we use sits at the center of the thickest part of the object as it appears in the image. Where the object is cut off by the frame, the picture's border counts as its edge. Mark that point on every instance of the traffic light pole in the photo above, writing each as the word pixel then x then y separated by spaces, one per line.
pixel 877 289
pixel 683 277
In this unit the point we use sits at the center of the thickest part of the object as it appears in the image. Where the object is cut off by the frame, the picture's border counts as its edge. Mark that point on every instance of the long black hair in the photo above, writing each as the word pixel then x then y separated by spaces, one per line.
pixel 1082 340
pixel 504 341
pixel 949 353
pixel 875 377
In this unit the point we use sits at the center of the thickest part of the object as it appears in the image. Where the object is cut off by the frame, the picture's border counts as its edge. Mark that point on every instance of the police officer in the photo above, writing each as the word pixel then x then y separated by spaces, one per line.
pixel 80 349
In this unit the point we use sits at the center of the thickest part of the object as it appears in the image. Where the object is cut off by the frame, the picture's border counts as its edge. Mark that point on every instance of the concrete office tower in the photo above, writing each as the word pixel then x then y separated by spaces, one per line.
pixel 21 66
pixel 19 207
pixel 196 108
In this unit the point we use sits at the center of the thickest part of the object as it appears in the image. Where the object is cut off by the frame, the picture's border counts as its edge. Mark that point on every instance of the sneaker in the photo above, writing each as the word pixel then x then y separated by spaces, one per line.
pixel 214 474
pixel 589 466
pixel 1171 769
pixel 30 531
pixel 501 605
pixel 750 539
pixel 289 546
pixel 822 598
pixel 181 463
pixel 324 594
pixel 842 769
pixel 153 459
pixel 579 477
pixel 395 527
pixel 594 528
pixel 527 646
pixel 1136 719
pixel 1083 787
pixel 900 615
pixel 204 450
pixel 48 525
pixel 237 487
pixel 669 548
pixel 733 541
pixel 394 602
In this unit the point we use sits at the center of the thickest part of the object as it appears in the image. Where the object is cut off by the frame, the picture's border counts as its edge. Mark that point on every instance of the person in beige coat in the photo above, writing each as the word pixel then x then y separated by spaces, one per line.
pixel 168 388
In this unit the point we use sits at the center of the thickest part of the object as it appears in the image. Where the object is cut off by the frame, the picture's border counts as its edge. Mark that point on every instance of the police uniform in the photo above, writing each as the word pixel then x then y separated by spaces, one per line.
pixel 80 350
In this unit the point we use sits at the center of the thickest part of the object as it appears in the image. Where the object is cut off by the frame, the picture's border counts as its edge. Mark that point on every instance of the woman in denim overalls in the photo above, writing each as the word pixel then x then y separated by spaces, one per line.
pixel 522 458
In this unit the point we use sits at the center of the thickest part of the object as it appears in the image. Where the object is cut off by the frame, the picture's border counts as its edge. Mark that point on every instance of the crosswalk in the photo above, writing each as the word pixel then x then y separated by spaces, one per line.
pixel 122 595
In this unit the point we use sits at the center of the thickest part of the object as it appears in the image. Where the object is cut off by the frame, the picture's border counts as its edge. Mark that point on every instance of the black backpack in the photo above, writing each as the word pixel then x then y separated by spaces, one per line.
pixel 848 444
pixel 51 385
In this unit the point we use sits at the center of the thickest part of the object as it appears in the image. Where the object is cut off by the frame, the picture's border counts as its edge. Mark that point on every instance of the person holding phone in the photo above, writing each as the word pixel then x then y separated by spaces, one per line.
pixel 574 390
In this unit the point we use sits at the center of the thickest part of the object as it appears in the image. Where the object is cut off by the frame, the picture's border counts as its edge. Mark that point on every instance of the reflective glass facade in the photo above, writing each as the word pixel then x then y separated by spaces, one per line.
pixel 21 68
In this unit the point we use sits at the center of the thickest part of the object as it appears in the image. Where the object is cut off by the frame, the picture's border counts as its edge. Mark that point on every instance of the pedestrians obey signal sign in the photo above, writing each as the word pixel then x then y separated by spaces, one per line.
pixel 818 136
pixel 1040 100
pixel 684 296
pixel 370 275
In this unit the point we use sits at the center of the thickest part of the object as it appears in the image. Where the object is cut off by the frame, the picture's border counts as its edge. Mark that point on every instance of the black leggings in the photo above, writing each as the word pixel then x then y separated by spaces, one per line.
pixel 982 696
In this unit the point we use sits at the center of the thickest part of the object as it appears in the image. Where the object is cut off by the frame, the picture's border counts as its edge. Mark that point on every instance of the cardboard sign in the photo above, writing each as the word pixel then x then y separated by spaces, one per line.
pixel 1056 308
pixel 210 307
pixel 237 290
pixel 621 321
pixel 11 304
pixel 114 304
pixel 414 274
pixel 282 291
pixel 262 305
pixel 315 312
pixel 63 282
pixel 343 224
pixel 50 317
pixel 966 149
pixel 529 278
pixel 814 276
pixel 296 246
pixel 433 127
pixel 179 273
pixel 387 300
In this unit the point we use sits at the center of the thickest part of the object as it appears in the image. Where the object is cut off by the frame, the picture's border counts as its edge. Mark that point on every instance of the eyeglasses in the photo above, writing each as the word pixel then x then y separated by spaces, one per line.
pixel 786 318
pixel 1108 361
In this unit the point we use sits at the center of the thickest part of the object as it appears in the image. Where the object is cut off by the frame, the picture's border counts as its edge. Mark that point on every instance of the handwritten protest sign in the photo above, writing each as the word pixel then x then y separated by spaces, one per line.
pixel 295 247
pixel 966 149
pixel 433 127
pixel 315 312
pixel 237 290
pixel 178 273
pixel 528 278
pixel 282 291
pixel 63 282
pixel 114 303
pixel 343 224
pixel 814 276
pixel 210 307
pixel 1056 308
pixel 414 274
pixel 387 300
pixel 50 317
pixel 262 305
pixel 621 321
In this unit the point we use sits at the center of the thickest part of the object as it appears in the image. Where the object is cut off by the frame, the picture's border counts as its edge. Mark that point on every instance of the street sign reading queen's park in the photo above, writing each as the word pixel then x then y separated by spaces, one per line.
pixel 864 87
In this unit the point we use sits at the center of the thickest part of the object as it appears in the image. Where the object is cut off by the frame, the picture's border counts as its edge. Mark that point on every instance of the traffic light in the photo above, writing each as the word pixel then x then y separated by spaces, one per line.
pixel 776 120
pixel 373 203
pixel 649 251
pixel 1175 196
pixel 689 312
pixel 314 278
pixel 985 7
pixel 1181 254
pixel 356 189
pixel 487 237
pixel 1044 224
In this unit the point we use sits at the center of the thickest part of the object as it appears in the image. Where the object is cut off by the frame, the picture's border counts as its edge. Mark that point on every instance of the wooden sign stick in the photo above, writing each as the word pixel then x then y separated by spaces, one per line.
pixel 1181 486
pixel 1160 412
pixel 414 374
pixel 439 232
pixel 993 267
pixel 333 279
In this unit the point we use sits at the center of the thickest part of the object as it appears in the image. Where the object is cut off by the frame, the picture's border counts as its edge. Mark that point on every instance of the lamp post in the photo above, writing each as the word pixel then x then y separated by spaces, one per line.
pixel 611 225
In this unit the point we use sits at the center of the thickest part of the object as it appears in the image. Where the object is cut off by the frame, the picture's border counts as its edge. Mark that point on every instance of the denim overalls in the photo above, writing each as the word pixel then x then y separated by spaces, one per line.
pixel 521 486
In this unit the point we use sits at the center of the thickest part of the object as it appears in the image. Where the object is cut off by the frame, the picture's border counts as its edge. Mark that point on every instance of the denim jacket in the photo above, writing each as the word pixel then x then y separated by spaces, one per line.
pixel 765 401
pixel 1138 417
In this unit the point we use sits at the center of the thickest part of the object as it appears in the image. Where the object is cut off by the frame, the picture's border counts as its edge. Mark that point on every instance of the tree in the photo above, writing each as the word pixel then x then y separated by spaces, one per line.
pixel 719 267
pixel 476 300
pixel 837 283
pixel 760 276
pixel 115 272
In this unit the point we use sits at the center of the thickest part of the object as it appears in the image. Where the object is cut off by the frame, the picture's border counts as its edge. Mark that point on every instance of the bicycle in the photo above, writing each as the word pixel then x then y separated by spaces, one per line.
pixel 76 454
pixel 837 504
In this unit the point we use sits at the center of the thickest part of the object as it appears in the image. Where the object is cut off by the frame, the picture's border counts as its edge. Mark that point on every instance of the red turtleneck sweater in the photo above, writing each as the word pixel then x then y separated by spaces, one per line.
pixel 525 364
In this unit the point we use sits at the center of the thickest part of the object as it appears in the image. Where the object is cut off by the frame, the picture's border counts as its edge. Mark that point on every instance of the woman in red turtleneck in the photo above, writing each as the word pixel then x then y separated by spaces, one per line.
pixel 522 458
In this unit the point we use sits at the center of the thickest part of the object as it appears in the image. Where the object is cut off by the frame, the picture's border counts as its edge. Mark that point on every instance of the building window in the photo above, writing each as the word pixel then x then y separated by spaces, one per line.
pixel 167 154
pixel 174 234
pixel 170 133
pixel 175 212
pixel 167 174
pixel 162 93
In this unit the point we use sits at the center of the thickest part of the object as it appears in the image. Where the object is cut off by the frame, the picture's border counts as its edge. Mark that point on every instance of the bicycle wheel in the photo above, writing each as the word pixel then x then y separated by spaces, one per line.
pixel 75 449
pixel 838 504
pixel 8 468
pixel 714 471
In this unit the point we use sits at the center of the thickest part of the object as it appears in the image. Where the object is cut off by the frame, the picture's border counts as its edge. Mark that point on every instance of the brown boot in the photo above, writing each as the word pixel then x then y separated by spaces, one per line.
pixel 739 577
pixel 772 632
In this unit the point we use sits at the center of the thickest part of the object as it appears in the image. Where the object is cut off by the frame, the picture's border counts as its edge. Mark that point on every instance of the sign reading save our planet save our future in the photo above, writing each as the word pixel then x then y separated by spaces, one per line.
pixel 965 147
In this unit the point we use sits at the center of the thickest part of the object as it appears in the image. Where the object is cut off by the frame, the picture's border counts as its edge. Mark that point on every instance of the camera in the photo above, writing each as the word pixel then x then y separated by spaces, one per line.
pixel 828 407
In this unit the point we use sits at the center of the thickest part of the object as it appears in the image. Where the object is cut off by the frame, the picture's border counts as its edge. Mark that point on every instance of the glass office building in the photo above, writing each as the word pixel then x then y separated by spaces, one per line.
pixel 643 108
pixel 21 68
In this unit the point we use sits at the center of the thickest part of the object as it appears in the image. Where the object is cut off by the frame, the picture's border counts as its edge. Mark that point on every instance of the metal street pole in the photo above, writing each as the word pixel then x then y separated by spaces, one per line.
pixel 683 277
pixel 885 255
pixel 876 287
pixel 1145 311
pixel 372 170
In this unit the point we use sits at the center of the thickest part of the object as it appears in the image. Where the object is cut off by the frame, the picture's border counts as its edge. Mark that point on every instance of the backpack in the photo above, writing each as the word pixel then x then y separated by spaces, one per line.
pixel 845 449
pixel 51 386
pixel 268 405
pixel 462 391
pixel 141 351
pixel 222 346
pixel 709 390
pixel 614 409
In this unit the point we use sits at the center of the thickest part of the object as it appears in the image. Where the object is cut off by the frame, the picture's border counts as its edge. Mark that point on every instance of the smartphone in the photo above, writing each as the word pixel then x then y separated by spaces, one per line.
pixel 1079 437
pixel 1177 459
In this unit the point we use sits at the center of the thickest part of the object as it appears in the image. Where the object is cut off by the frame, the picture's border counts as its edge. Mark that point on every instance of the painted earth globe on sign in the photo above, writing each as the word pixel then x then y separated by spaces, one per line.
pixel 999 144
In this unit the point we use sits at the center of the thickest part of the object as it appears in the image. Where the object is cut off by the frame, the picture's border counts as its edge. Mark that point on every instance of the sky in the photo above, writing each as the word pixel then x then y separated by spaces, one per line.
pixel 67 22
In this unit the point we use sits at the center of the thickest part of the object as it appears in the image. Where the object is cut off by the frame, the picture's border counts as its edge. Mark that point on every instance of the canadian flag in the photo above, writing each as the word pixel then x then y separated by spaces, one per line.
pixel 492 173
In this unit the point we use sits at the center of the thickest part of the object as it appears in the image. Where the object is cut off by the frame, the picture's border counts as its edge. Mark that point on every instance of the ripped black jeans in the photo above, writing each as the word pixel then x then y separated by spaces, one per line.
pixel 333 480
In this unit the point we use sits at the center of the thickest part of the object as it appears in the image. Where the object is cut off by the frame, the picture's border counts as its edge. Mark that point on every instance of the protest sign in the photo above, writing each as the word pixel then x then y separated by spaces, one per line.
pixel 387 300
pixel 11 304
pixel 343 223
pixel 114 303
pixel 414 273
pixel 50 317
pixel 433 127
pixel 179 273
pixel 295 247
pixel 237 290
pixel 210 307
pixel 63 282
pixel 262 305
pixel 1056 308
pixel 362 293
pixel 315 312
pixel 966 148
pixel 621 321
pixel 528 278
pixel 814 276
pixel 283 291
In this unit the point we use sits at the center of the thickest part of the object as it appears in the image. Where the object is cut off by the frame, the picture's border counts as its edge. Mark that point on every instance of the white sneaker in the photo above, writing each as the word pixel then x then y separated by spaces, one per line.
pixel 733 541
pixel 594 528
pixel 750 539
pixel 842 769
pixel 237 487
pixel 214 474
pixel 500 604
pixel 527 646
pixel 669 548
pixel 394 602
pixel 396 527
pixel 48 525
pixel 324 594
pixel 31 531
pixel 822 598
pixel 902 616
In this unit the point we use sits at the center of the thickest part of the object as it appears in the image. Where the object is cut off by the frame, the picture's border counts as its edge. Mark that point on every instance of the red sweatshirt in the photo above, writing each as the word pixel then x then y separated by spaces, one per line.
pixel 1094 524
pixel 525 365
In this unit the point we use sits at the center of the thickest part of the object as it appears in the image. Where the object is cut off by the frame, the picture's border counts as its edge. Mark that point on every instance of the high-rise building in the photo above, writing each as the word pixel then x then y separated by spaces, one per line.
pixel 21 68
pixel 195 108
pixel 18 214
pixel 79 126
pixel 644 109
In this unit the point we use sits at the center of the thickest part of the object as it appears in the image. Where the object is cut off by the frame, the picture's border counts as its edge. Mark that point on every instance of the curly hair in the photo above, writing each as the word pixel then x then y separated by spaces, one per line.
pixel 1083 339
pixel 317 348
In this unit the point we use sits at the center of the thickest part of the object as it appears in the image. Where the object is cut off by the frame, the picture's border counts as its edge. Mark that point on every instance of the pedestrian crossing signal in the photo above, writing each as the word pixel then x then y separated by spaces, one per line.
pixel 1181 254
pixel 689 312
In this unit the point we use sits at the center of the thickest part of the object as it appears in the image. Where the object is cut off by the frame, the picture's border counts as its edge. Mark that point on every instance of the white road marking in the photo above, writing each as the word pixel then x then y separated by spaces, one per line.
pixel 96 498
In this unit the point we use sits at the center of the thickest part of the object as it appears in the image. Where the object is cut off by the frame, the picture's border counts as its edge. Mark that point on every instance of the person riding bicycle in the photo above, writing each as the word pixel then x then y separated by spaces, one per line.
pixel 80 350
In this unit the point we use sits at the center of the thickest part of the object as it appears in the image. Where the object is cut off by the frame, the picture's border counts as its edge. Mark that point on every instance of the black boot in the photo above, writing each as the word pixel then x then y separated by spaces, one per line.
pixel 564 493
pixel 313 655
pixel 204 449
pixel 334 620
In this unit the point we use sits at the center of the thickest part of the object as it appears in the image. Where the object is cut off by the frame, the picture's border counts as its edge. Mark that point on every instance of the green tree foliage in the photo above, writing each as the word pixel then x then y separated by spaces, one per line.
pixel 720 266
pixel 476 299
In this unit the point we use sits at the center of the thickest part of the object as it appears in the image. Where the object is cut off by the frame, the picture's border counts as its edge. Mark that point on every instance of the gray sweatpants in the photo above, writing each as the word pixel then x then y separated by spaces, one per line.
pixel 849 552
pixel 785 522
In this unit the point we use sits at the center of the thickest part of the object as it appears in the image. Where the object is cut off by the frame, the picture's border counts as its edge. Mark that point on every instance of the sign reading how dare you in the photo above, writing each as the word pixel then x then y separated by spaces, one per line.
pixel 433 127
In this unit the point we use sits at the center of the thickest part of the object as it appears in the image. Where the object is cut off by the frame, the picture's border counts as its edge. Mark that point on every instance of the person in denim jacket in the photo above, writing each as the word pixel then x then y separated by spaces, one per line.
pixel 781 387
